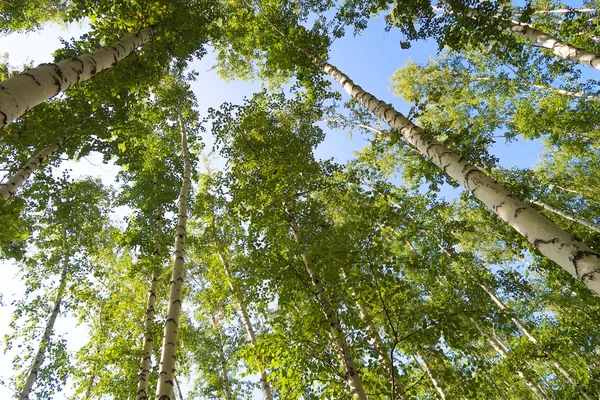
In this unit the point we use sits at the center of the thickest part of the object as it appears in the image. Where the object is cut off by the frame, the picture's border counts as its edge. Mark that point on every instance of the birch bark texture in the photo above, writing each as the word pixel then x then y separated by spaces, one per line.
pixel 266 388
pixel 559 246
pixel 542 39
pixel 39 357
pixel 165 387
pixel 22 92
pixel 332 318
pixel 145 363
pixel 8 189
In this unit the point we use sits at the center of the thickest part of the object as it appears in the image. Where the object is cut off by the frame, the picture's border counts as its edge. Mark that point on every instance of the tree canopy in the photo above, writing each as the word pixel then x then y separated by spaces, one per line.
pixel 421 267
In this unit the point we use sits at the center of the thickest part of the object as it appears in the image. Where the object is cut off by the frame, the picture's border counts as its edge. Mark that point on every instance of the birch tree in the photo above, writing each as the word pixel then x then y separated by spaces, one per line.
pixel 65 223
pixel 165 386
pixel 22 92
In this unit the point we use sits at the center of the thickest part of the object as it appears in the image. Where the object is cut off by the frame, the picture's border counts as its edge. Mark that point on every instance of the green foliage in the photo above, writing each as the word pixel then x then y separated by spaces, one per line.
pixel 404 270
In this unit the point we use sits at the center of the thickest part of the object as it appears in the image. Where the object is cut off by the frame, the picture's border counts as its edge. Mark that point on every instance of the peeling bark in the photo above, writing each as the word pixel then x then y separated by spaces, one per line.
pixel 575 257
pixel 39 357
pixel 8 189
pixel 22 92
pixel 146 361
pixel 332 318
pixel 164 389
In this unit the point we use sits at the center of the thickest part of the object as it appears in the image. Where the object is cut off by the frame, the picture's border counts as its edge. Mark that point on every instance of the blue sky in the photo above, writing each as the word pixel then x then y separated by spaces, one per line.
pixel 369 59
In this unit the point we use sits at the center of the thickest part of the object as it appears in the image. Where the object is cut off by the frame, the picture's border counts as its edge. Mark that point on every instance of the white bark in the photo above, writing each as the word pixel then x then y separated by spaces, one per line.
pixel 145 363
pixel 534 340
pixel 569 216
pixel 39 357
pixel 434 381
pixel 266 388
pixel 380 348
pixel 567 10
pixel 555 45
pixel 164 390
pixel 32 87
pixel 178 388
pixel 332 318
pixel 569 93
pixel 575 257
pixel 9 188
pixel 503 351
pixel 579 95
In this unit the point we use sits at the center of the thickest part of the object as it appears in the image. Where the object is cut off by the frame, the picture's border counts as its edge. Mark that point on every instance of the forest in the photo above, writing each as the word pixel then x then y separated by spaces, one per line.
pixel 420 268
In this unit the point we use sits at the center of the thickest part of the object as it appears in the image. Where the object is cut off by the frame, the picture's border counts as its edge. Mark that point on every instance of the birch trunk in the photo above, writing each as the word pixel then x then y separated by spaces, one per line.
pixel 434 381
pixel 145 363
pixel 164 389
pixel 575 257
pixel 380 348
pixel 224 373
pixel 567 11
pixel 39 357
pixel 542 39
pixel 178 387
pixel 332 318
pixel 534 340
pixel 32 87
pixel 499 347
pixel 266 388
pixel 569 216
pixel 9 188
pixel 569 93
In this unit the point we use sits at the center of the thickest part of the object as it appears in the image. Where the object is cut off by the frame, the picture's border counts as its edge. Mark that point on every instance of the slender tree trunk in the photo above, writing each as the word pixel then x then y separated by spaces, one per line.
pixel 164 390
pixel 145 363
pixel 569 216
pixel 382 352
pixel 39 357
pixel 266 388
pixel 384 355
pixel 425 365
pixel 503 351
pixel 224 374
pixel 579 95
pixel 534 340
pixel 8 189
pixel 542 39
pixel 575 257
pixel 178 387
pixel 22 92
pixel 332 318
pixel 567 11
pixel 88 390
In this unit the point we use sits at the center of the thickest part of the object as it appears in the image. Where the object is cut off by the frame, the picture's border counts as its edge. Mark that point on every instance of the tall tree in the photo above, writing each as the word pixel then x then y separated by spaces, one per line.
pixel 165 387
